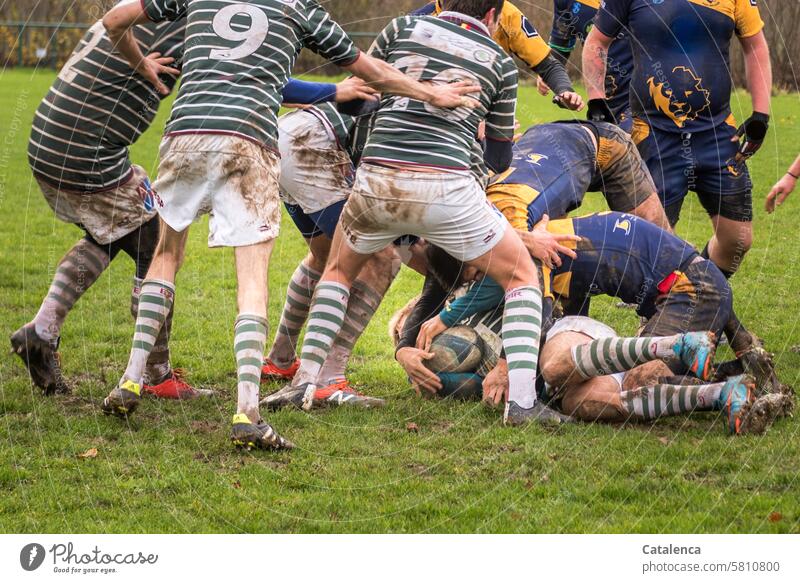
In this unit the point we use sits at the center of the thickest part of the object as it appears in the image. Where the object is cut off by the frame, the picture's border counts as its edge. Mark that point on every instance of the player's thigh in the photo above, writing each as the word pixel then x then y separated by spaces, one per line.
pixel 555 361
pixel 594 400
pixel 668 160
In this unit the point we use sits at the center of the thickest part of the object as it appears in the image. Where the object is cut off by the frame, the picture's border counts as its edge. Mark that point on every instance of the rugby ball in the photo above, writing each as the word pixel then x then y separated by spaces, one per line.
pixel 457 349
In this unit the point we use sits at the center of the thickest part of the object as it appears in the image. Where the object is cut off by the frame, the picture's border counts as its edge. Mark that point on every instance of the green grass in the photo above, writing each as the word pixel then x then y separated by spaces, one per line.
pixel 173 470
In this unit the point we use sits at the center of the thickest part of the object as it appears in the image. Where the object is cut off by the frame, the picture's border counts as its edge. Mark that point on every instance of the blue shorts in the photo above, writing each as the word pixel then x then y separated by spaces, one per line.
pixel 703 162
pixel 318 223
pixel 324 222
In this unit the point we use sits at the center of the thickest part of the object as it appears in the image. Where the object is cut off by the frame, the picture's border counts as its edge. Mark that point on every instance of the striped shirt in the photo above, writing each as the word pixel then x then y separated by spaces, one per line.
pixel 238 58
pixel 96 108
pixel 440 50
pixel 340 123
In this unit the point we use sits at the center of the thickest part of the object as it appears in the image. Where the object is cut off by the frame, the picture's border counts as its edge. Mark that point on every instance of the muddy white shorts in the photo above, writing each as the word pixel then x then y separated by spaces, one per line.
pixel 108 215
pixel 232 179
pixel 588 327
pixel 446 209
pixel 315 171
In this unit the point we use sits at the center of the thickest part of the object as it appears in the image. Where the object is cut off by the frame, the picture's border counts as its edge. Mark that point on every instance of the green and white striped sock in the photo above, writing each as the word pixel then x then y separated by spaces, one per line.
pixel 648 403
pixel 325 320
pixel 76 272
pixel 249 338
pixel 362 305
pixel 155 302
pixel 522 326
pixel 158 367
pixel 295 311
pixel 606 356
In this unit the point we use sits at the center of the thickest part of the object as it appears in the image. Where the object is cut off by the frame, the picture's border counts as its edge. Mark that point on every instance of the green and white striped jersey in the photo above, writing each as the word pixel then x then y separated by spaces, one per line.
pixel 440 50
pixel 96 108
pixel 238 57
pixel 341 124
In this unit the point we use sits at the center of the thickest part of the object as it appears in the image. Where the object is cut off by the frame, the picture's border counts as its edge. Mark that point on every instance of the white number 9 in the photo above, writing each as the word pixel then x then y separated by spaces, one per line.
pixel 253 37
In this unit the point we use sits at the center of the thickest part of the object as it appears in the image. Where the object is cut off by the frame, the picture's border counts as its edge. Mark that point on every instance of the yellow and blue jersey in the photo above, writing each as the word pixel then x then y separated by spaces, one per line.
pixel 619 255
pixel 515 33
pixel 681 81
pixel 572 21
pixel 552 167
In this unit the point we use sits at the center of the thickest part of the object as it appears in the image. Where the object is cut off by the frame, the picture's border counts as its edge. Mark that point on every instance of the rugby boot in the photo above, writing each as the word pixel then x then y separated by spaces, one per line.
pixel 41 358
pixel 341 393
pixel 758 363
pixel 287 396
pixel 728 368
pixel 123 400
pixel 272 372
pixel 332 395
pixel 696 351
pixel 248 435
pixel 757 417
pixel 737 392
pixel 173 386
pixel 515 415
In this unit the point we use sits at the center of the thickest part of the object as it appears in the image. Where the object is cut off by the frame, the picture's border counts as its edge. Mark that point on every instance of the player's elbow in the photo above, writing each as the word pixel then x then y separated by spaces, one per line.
pixel 114 24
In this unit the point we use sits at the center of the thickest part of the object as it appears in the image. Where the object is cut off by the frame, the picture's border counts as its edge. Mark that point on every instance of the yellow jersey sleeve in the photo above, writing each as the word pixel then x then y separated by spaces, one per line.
pixel 747 17
pixel 517 35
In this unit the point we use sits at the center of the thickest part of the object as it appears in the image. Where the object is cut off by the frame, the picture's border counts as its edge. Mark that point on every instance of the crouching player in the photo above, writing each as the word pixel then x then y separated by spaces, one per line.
pixel 584 365
pixel 415 179
pixel 317 171
pixel 556 164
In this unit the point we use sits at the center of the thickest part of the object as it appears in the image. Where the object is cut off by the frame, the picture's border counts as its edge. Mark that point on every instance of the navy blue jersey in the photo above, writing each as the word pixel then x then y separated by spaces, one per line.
pixel 619 255
pixel 681 75
pixel 572 21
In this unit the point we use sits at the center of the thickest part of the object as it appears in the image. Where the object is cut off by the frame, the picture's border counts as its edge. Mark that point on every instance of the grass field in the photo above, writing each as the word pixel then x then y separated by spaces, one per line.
pixel 173 470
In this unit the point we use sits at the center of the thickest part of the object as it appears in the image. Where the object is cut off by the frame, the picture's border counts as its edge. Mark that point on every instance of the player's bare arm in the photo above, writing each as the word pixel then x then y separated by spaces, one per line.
pixel 758 70
pixel 354 88
pixel 784 187
pixel 387 79
pixel 118 22
pixel 595 54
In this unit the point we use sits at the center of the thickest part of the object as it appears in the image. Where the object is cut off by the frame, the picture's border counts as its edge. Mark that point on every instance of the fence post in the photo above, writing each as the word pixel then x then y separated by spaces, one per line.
pixel 20 28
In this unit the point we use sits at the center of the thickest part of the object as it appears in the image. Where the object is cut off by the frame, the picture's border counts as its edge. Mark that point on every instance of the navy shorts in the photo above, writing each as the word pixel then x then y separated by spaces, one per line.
pixel 703 162
pixel 318 223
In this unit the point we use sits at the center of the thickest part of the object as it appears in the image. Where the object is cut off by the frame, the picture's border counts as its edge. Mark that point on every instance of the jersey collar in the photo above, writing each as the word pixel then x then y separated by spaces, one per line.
pixel 464 21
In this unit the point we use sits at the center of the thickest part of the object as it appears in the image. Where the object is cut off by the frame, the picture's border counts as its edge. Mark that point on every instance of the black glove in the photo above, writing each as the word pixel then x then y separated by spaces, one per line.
pixel 598 110
pixel 754 129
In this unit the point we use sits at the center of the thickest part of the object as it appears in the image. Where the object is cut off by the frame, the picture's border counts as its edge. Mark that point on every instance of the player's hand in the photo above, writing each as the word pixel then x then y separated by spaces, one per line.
pixel 569 100
pixel 780 192
pixel 598 110
pixel 754 130
pixel 541 86
pixel 546 246
pixel 354 88
pixel 452 95
pixel 495 385
pixel 428 331
pixel 154 65
pixel 421 377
